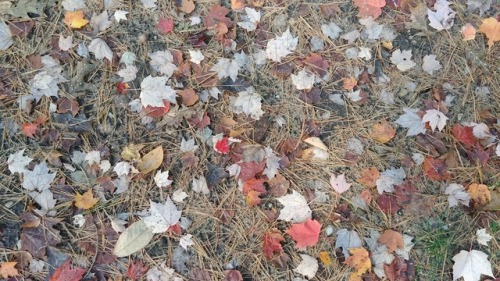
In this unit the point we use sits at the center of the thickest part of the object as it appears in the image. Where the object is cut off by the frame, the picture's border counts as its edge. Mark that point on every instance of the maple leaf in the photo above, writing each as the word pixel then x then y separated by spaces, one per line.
pixel 100 22
pixel 411 121
pixel 222 146
pixel 154 91
pixel 443 17
pixel 388 204
pixel 120 15
pixel 165 25
pixel 38 179
pixel 248 102
pixel 347 239
pixel 383 132
pixel 305 234
pixel 339 183
pixel 470 265
pixel 85 201
pixel 479 193
pixel 483 237
pixel 436 169
pixel 271 243
pixel 369 8
pixel 468 32
pixel 66 273
pixel 196 56
pixel 17 162
pixel 430 64
pixel 369 177
pixel 281 46
pixel 402 60
pixel 200 185
pixel 7 269
pixel 331 30
pixel 250 20
pixel 392 239
pixel 255 185
pixel 75 19
pixel 389 178
pixel 359 260
pixel 5 36
pixel 308 266
pixel 100 49
pixel 436 119
pixel 226 68
pixel 161 179
pixel 129 73
pixel 136 270
pixel 295 208
pixel 162 216
pixel 162 61
pixel 491 28
pixel 456 193
pixel 303 80
pixel 464 135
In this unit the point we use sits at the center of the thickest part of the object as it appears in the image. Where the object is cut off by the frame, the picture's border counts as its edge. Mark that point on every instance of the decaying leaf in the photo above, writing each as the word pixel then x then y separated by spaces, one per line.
pixel 360 261
pixel 479 193
pixel 7 269
pixel 134 238
pixel 383 132
pixel 66 273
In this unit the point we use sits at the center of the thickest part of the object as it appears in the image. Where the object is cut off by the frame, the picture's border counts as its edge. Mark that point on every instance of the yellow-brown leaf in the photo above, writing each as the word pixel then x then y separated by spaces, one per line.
pixel 7 269
pixel 85 201
pixel 75 19
pixel 151 161
pixel 491 28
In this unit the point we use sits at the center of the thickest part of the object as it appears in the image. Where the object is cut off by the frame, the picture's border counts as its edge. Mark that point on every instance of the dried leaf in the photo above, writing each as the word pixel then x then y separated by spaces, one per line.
pixel 436 169
pixel 383 132
pixel 305 234
pixel 479 193
pixel 151 161
pixel 369 177
pixel 7 269
pixel 360 261
pixel 133 239
pixel 85 201
pixel 470 265
pixel 66 273
pixel 339 183
pixel 369 8
pixel 75 19
pixel 491 28
pixel 186 6
pixel 392 239
pixel 271 243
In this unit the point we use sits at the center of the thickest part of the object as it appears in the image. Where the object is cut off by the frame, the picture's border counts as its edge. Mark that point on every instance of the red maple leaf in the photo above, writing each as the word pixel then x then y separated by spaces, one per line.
pixel 157 111
pixel 272 246
pixel 305 234
pixel 254 184
pixel 30 129
pixel 136 270
pixel 165 25
pixel 253 198
pixel 222 146
pixel 122 88
pixel 66 273
pixel 464 135
pixel 250 169
pixel 436 169
pixel 369 8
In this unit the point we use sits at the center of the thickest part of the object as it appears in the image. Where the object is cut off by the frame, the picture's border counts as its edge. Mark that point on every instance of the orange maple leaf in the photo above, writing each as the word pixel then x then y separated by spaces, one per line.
pixel 85 201
pixel 369 177
pixel 479 193
pixel 392 239
pixel 7 269
pixel 75 19
pixel 305 234
pixel 491 28
pixel 369 8
pixel 253 198
pixel 360 261
pixel 383 132
pixel 468 32
pixel 30 129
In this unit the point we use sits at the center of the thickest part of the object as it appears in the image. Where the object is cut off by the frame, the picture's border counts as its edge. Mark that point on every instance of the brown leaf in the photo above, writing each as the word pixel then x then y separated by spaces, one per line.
pixel 479 193
pixel 436 169
pixel 279 186
pixel 388 204
pixel 392 239
pixel 491 28
pixel 85 201
pixel 36 239
pixel 383 132
pixel 215 15
pixel 330 9
pixel 65 105
pixel 151 161
pixel 7 269
pixel 189 97
pixel 250 169
pixel 369 177
pixel 238 4
pixel 21 28
pixel 317 64
pixel 233 275
pixel 186 6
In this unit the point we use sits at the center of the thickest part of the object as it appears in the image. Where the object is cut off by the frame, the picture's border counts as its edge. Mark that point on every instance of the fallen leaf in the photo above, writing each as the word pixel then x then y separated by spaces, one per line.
pixel 186 6
pixel 255 185
pixel 151 161
pixel 383 132
pixel 349 83
pixel 295 208
pixel 388 204
pixel 456 193
pixel 430 64
pixel 308 266
pixel 369 177
pixel 189 97
pixel 347 239
pixel 100 49
pixel 491 28
pixel 412 121
pixel 468 32
pixel 38 234
pixel 281 46
pixel 238 4
pixel 165 25
pixel 443 16
pixel 392 239
pixel 66 273
pixel 305 234
pixel 470 265
pixel 436 169
pixel 483 237
pixel 215 15
pixel 252 198
pixel 271 243
pixel 66 105
pixel 136 270
pixel 479 193
pixel 17 162
pixel 402 60
pixel 360 261
pixel 75 19
pixel 134 238
pixel 436 119
pixel 324 257
pixel 85 201
pixel 30 129
pixel 163 216
pixel 7 269
pixel 369 8
pixel 5 36
pixel 339 183
pixel 464 135
pixel 233 275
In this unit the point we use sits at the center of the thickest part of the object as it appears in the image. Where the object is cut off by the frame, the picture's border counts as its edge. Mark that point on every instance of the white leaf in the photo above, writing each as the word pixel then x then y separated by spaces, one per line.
pixel 100 22
pixel 443 17
pixel 100 49
pixel 45 199
pixel 134 238
pixel 304 80
pixel 482 5
pixel 411 121
pixel 281 46
pixel 5 36
pixel 154 91
pixel 161 179
pixel 481 131
pixel 36 265
pixel 93 157
pixel 38 179
pixel 162 216
pixel 73 5
pixel 354 96
pixel 186 241
pixel 162 61
pixel 120 15
pixel 418 158
pixel 188 145
pixel 470 265
pixel 45 83
pixel 17 162
pixel 431 64
pixel 163 274
pixel 272 163
pixel 482 237
pixel 200 185
pixel 436 119
pixel 389 178
pixel 251 19
pixel 105 165
pixel 196 56
pixel 355 146
pixel 408 245
pixel 387 97
pixel 380 257
pixel 351 36
pixel 308 266
pixel 317 43
pixel 129 73
pixel 331 30
pixel 117 224
pixel 179 195
pixel 402 60
pixel 226 68
pixel 149 4
pixel 373 30
pixel 194 21
pixel 79 220
pixel 339 183
pixel 456 193
pixel 365 53
pixel 65 43
pixel 122 168
pixel 347 239
pixel 497 151
pixel 259 57
pixel 247 102
pixel 295 208
pixel 127 58
pixel 316 142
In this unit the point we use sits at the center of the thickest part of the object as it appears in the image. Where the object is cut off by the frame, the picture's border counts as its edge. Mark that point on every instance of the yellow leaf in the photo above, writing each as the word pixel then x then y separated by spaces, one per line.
pixel 491 28
pixel 85 201
pixel 75 19
pixel 151 161
pixel 383 132
pixel 131 152
pixel 7 269
pixel 479 193
pixel 325 258
pixel 360 261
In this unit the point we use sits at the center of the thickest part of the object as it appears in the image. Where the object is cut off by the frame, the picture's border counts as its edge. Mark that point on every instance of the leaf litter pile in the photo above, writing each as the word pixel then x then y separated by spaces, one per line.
pixel 250 140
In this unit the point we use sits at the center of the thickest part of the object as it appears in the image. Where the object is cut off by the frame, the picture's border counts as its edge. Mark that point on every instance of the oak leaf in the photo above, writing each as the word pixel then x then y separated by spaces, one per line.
pixel 305 234
pixel 66 273
pixel 392 239
pixel 75 19
pixel 7 269
pixel 491 28
pixel 85 201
